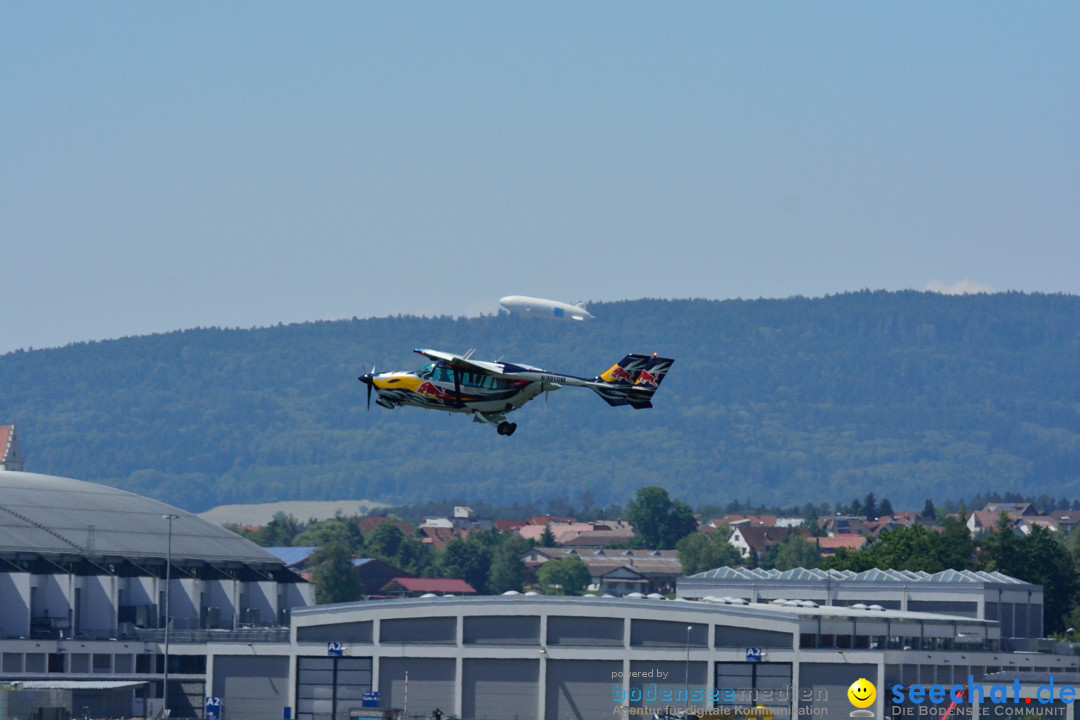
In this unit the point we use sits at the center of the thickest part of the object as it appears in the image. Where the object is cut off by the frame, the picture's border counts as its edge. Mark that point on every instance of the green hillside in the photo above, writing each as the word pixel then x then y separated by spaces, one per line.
pixel 910 395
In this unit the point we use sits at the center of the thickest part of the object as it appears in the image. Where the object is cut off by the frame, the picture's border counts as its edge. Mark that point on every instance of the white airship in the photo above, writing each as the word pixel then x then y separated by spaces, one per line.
pixel 541 308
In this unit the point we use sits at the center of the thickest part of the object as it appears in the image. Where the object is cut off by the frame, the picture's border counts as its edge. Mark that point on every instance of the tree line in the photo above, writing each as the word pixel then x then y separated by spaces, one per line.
pixel 772 402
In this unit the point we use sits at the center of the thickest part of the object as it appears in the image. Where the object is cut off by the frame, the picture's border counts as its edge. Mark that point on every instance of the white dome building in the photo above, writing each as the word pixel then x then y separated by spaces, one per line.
pixel 83 593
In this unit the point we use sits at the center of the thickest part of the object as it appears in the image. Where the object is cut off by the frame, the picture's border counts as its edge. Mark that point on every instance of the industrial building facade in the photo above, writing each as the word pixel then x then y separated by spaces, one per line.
pixel 1016 605
pixel 543 657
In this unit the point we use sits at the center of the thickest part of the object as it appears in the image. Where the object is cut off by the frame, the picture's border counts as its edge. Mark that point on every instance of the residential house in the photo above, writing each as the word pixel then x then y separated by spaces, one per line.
pixel 373 574
pixel 464 518
pixel 1066 519
pixel 600 538
pixel 984 521
pixel 1021 509
pixel 649 570
pixel 1028 523
pixel 598 533
pixel 843 525
pixel 507 527
pixel 758 540
pixel 437 537
pixel 418 587
pixel 829 545
pixel 368 524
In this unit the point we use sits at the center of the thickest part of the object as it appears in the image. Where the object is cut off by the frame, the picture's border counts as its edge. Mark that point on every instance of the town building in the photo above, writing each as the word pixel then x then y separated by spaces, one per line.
pixel 612 571
pixel 1015 605
pixel 754 541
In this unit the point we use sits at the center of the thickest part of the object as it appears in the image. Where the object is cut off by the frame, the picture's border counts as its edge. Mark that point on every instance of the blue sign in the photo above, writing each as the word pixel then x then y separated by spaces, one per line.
pixel 370 698
pixel 286 713
pixel 213 708
pixel 753 654
pixel 333 649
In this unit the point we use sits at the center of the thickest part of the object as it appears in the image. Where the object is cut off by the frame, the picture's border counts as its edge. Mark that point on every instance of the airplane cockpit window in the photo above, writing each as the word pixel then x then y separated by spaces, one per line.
pixel 444 373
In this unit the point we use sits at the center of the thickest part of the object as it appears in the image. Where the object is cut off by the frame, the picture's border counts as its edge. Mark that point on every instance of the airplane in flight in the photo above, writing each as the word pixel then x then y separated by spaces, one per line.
pixel 542 308
pixel 488 390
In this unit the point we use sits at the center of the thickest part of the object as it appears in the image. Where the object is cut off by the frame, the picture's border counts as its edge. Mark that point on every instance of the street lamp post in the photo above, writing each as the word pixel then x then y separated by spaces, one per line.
pixel 686 677
pixel 168 613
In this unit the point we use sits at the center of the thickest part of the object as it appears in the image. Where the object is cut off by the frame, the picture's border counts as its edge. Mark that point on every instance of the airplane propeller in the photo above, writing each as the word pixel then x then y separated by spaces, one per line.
pixel 368 380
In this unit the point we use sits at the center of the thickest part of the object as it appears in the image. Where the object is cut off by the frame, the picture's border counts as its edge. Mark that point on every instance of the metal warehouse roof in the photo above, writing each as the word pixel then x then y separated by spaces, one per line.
pixel 79 684
pixel 292 555
pixel 873 575
pixel 658 608
pixel 48 515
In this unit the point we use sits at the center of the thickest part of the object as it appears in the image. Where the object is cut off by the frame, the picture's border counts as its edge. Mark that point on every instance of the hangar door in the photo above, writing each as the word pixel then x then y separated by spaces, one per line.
pixel 823 688
pixel 431 684
pixel 500 689
pixel 251 688
pixel 581 689
pixel 329 687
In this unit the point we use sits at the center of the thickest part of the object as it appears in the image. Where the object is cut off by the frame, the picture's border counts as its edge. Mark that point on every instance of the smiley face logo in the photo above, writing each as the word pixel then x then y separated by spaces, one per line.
pixel 862 693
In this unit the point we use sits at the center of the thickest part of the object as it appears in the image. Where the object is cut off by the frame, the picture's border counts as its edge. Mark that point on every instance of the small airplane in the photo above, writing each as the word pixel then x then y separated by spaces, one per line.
pixel 488 390
pixel 541 308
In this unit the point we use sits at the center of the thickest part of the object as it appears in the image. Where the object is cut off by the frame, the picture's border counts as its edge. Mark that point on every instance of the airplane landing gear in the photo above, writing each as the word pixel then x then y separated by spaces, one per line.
pixel 506 428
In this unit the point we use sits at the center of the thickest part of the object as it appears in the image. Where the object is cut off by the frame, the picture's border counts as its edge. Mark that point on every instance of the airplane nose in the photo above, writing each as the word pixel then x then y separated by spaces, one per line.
pixel 368 380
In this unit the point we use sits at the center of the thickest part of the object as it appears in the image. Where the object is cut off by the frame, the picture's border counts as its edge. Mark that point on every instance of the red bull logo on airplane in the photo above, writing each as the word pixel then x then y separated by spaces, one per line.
pixel 431 392
pixel 646 378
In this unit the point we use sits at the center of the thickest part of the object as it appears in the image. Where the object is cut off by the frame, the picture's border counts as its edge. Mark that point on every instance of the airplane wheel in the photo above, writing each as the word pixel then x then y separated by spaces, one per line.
pixel 510 430
pixel 503 428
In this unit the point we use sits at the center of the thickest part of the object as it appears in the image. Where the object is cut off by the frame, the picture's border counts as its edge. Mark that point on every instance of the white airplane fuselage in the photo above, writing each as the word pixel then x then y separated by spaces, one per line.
pixel 542 308
pixel 488 390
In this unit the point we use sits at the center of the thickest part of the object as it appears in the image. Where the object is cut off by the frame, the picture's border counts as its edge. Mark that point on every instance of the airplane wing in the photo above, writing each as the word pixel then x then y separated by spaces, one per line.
pixel 459 362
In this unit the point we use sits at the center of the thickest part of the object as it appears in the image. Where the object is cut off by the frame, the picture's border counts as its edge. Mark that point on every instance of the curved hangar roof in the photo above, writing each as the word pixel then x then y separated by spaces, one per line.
pixel 48 515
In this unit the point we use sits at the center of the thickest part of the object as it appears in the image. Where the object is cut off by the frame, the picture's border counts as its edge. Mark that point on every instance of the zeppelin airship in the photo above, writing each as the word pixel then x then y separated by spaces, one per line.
pixel 541 308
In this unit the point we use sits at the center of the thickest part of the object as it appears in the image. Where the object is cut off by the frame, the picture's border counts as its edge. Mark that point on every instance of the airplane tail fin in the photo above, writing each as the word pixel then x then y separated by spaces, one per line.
pixel 633 380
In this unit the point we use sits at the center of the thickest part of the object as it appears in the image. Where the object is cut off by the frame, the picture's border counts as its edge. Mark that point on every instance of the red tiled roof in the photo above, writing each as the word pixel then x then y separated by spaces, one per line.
pixel 437 537
pixel 545 519
pixel 598 538
pixel 988 520
pixel 507 526
pixel 851 542
pixel 430 585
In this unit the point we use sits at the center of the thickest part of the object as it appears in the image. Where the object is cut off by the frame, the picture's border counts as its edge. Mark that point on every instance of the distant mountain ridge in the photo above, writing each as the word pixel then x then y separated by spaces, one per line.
pixel 906 394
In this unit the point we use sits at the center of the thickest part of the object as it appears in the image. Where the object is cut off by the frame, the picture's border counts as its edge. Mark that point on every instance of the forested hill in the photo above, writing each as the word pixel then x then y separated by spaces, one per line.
pixel 909 395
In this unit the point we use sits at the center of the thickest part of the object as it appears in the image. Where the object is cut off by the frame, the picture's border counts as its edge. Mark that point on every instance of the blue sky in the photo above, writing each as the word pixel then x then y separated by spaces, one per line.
pixel 177 165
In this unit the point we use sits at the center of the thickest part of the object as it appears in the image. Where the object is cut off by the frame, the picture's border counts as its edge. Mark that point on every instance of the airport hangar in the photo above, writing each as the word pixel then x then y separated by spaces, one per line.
pixel 77 561
pixel 83 596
